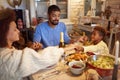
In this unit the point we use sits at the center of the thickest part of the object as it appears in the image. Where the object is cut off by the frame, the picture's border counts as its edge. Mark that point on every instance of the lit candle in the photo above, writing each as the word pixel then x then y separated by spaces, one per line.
pixel 116 52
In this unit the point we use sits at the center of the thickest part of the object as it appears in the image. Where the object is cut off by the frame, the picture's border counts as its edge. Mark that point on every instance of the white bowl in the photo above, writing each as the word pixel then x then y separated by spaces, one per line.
pixel 77 71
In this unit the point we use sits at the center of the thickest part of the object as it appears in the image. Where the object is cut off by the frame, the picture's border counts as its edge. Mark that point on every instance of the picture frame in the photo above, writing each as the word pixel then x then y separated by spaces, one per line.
pixel 14 3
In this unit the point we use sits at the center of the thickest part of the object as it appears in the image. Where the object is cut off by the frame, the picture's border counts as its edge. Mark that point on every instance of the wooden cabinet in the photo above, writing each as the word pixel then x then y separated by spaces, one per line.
pixel 42 6
pixel 95 6
pixel 63 5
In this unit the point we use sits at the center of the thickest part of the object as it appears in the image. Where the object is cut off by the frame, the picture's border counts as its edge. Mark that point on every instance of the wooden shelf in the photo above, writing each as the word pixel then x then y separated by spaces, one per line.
pixel 62 3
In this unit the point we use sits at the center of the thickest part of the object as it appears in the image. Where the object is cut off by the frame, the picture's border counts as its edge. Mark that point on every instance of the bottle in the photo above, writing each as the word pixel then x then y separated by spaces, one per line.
pixel 108 27
pixel 84 34
pixel 61 44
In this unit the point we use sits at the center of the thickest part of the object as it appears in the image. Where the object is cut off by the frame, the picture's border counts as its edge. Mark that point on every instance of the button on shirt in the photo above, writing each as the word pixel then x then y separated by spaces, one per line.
pixel 50 36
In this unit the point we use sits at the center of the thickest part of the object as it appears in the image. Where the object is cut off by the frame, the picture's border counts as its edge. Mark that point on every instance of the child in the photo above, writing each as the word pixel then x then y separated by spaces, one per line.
pixel 98 45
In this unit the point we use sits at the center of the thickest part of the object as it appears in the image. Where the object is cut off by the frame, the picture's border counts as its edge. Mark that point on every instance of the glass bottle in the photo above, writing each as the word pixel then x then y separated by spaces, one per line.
pixel 61 44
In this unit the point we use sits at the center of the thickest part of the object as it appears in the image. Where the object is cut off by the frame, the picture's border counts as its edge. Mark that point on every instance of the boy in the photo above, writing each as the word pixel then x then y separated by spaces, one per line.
pixel 98 45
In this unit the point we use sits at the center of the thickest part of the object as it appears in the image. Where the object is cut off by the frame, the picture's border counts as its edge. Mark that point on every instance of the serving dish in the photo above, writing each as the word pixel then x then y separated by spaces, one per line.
pixel 103 64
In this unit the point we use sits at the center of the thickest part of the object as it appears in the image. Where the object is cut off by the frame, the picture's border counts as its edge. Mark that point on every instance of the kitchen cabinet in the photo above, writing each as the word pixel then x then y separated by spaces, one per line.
pixel 95 6
pixel 63 5
pixel 42 6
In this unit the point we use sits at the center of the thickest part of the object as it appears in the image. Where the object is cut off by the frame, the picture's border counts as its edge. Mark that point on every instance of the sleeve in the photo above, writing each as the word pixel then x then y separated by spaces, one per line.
pixel 37 34
pixel 91 48
pixel 100 48
pixel 32 61
pixel 66 37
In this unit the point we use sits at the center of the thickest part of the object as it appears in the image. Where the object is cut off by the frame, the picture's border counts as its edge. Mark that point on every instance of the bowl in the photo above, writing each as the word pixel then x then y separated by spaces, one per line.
pixel 76 67
pixel 103 67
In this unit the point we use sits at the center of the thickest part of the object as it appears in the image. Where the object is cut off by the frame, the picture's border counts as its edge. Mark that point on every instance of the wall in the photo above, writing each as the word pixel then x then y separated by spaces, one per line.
pixel 5 4
pixel 115 8
pixel 76 10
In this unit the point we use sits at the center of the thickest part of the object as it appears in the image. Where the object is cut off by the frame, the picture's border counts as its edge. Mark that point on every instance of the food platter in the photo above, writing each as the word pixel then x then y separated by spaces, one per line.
pixel 77 56
pixel 103 64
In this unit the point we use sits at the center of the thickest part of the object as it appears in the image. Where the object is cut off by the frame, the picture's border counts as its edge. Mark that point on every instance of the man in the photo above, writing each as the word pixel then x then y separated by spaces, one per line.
pixel 48 33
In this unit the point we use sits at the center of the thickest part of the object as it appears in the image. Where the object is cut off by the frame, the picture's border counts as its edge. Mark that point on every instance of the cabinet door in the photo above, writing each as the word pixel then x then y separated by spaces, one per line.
pixel 63 5
pixel 42 6
pixel 96 7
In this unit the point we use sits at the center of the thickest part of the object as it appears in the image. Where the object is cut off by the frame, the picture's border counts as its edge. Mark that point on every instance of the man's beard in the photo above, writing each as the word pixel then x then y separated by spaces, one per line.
pixel 55 22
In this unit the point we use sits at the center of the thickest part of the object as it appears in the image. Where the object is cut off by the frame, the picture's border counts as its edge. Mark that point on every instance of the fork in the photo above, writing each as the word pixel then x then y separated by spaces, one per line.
pixel 44 76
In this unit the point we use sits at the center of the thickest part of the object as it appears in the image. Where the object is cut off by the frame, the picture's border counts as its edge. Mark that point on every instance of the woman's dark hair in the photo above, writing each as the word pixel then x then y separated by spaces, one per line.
pixel 53 8
pixel 101 30
pixel 6 17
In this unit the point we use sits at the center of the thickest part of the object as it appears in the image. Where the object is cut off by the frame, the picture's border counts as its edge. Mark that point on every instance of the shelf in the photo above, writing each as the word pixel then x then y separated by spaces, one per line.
pixel 62 3
pixel 64 13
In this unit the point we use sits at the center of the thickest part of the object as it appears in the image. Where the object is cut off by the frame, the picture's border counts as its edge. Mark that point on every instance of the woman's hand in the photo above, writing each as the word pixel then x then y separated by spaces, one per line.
pixel 69 47
pixel 74 47
pixel 36 46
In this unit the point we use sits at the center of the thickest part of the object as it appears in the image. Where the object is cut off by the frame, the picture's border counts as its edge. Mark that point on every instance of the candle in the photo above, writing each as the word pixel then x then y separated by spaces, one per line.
pixel 116 52
pixel 93 7
pixel 27 18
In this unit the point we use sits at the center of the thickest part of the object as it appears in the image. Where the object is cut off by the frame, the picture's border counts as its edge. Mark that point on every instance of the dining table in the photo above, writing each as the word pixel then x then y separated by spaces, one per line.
pixel 61 71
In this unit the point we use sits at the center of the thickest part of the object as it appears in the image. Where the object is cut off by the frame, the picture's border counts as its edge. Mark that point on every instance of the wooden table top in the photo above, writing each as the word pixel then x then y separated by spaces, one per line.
pixel 62 72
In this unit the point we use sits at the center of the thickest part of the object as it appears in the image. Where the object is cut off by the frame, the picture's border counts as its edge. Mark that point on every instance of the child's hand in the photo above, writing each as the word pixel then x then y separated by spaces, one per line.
pixel 74 47
pixel 70 47
pixel 79 48
pixel 83 39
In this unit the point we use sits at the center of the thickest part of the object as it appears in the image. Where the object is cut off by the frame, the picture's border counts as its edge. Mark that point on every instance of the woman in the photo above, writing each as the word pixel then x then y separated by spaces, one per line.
pixel 16 64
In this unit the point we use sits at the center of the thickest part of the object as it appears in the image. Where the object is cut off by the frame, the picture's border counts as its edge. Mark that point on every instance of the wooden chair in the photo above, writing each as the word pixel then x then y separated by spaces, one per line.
pixel 115 31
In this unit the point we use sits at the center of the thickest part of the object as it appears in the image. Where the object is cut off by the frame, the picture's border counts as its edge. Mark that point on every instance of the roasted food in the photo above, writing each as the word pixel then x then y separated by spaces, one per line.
pixel 76 56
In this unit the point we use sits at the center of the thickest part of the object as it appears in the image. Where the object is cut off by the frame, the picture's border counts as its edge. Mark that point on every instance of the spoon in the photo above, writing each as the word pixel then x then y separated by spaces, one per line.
pixel 94 57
